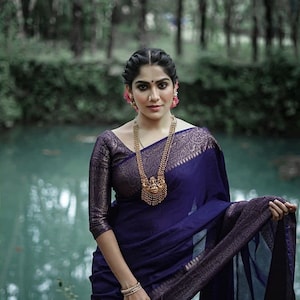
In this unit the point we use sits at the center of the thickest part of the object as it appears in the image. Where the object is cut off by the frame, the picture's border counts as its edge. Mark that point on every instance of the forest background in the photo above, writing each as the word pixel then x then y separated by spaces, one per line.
pixel 238 61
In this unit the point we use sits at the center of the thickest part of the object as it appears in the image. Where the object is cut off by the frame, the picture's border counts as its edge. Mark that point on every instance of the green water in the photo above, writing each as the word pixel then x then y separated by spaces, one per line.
pixel 45 245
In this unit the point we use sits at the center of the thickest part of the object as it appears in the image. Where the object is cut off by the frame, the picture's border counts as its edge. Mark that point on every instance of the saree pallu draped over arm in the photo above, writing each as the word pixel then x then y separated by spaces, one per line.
pixel 254 259
pixel 196 239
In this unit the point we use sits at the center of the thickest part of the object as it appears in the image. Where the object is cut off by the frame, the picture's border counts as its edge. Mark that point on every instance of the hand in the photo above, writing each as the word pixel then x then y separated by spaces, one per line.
pixel 139 295
pixel 280 209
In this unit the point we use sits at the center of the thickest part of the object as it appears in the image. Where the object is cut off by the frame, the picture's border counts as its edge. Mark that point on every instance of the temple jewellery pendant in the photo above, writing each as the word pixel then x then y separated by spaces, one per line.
pixel 154 190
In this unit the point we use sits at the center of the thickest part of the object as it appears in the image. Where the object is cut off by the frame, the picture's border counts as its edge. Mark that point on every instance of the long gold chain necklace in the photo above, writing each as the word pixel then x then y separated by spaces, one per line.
pixel 154 190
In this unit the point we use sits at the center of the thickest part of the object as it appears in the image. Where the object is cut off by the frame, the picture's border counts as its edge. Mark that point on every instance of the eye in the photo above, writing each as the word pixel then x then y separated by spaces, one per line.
pixel 142 87
pixel 162 85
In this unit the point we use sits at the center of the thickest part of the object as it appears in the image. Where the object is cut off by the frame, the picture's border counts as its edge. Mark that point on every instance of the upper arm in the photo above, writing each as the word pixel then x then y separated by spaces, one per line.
pixel 99 187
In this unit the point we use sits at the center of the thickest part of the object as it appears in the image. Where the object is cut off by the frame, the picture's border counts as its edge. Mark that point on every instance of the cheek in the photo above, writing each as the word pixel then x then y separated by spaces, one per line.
pixel 140 96
pixel 167 95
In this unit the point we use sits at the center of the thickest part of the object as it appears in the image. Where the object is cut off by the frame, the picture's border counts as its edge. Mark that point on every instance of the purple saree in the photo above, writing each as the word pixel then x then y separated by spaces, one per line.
pixel 195 240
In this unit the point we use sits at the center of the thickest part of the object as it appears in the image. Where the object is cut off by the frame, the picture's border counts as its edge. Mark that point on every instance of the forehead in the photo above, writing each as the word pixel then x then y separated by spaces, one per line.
pixel 151 73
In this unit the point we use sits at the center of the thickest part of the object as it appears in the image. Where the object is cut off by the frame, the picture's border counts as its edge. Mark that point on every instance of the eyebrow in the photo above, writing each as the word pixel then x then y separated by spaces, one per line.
pixel 158 81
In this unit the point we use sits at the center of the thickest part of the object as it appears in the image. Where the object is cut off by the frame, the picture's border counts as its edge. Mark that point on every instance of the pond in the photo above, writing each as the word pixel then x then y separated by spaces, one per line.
pixel 46 247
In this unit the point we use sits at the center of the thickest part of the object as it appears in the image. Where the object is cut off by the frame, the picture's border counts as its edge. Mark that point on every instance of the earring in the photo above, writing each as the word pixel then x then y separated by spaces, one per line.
pixel 175 97
pixel 175 100
pixel 130 100
pixel 133 104
pixel 127 97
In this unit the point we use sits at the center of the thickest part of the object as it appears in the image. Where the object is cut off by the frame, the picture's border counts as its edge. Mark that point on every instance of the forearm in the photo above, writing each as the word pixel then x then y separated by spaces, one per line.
pixel 110 249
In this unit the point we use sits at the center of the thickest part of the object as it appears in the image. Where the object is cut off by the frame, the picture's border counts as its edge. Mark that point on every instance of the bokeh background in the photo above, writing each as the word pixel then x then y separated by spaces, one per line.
pixel 60 86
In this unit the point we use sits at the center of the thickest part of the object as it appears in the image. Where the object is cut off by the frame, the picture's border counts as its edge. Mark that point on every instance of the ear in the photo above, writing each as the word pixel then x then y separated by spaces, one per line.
pixel 127 94
pixel 176 86
pixel 175 100
pixel 128 90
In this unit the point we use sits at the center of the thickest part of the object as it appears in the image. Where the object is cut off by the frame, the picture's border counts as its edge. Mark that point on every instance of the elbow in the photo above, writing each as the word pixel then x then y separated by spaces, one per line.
pixel 99 227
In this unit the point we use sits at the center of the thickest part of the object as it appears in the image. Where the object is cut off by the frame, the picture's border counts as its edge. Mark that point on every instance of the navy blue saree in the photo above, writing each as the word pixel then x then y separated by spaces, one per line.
pixel 196 239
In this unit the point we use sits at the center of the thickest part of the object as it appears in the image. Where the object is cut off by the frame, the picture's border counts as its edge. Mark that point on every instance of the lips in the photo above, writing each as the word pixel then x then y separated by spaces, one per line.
pixel 155 107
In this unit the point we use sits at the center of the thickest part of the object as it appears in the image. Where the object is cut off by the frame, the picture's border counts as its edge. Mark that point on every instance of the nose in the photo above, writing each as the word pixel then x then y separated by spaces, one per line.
pixel 154 96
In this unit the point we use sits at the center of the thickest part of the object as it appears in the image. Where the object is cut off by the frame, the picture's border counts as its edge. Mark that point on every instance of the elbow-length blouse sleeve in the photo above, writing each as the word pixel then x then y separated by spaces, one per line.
pixel 99 187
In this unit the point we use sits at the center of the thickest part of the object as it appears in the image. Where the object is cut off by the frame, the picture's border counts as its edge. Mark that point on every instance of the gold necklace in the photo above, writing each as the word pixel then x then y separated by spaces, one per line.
pixel 154 190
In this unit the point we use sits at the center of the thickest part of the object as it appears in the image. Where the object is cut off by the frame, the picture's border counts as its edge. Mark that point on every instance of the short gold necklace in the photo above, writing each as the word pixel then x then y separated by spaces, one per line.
pixel 154 190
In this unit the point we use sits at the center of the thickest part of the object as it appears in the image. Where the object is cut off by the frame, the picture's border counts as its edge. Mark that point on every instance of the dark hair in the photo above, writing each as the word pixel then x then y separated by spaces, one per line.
pixel 148 56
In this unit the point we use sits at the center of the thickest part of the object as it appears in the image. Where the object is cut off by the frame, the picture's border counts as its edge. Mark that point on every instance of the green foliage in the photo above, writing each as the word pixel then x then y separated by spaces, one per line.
pixel 61 91
pixel 10 111
pixel 253 99
pixel 256 99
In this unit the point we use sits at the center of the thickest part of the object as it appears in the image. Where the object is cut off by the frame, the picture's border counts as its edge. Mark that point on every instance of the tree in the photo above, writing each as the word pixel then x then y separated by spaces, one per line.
pixel 280 33
pixel 94 24
pixel 77 28
pixel 111 31
pixel 295 13
pixel 228 4
pixel 8 15
pixel 268 25
pixel 142 23
pixel 179 14
pixel 43 18
pixel 27 20
pixel 254 34
pixel 203 12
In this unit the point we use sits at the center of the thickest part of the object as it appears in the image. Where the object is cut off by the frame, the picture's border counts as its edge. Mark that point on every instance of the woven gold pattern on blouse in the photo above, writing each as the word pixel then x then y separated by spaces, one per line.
pixel 186 145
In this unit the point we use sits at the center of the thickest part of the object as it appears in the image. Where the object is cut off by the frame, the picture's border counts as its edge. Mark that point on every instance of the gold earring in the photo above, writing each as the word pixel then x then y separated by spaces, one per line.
pixel 132 103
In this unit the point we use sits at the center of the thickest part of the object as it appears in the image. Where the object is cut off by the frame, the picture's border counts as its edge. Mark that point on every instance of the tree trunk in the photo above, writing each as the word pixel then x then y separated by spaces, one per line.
pixel 94 24
pixel 27 22
pixel 53 21
pixel 111 31
pixel 280 30
pixel 295 11
pixel 77 28
pixel 254 34
pixel 203 11
pixel 8 15
pixel 214 28
pixel 228 24
pixel 142 24
pixel 269 26
pixel 179 28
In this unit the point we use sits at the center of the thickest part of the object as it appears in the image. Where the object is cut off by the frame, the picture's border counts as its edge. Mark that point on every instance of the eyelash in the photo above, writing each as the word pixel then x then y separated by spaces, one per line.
pixel 161 86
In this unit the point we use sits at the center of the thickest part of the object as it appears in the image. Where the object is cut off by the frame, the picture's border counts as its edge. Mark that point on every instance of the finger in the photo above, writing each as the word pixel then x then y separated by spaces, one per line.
pixel 278 206
pixel 291 207
pixel 275 214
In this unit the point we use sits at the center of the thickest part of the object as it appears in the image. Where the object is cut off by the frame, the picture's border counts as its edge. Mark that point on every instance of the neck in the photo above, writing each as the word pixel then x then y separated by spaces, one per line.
pixel 162 124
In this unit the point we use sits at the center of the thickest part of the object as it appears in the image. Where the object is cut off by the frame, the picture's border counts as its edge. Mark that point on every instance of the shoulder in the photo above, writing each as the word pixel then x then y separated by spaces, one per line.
pixel 101 146
pixel 124 135
pixel 105 137
pixel 183 125
pixel 203 135
pixel 124 129
pixel 109 136
pixel 195 135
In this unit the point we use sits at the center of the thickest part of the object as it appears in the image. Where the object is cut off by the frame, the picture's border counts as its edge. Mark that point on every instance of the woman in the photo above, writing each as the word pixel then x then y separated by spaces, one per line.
pixel 172 207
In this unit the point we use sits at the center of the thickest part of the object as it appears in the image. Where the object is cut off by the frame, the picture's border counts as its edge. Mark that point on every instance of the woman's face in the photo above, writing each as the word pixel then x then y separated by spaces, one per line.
pixel 152 91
